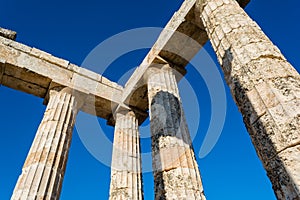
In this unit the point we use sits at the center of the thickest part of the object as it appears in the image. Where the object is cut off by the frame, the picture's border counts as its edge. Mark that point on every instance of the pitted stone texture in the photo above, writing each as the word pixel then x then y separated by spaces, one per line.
pixel 126 175
pixel 175 169
pixel 8 33
pixel 266 89
pixel 44 168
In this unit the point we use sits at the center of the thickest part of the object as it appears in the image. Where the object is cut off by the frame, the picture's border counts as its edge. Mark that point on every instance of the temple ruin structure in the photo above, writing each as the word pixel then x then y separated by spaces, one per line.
pixel 264 85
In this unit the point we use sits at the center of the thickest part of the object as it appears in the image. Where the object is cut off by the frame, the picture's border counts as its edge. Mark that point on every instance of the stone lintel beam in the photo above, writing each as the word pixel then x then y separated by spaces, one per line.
pixel 34 71
pixel 177 44
pixel 8 33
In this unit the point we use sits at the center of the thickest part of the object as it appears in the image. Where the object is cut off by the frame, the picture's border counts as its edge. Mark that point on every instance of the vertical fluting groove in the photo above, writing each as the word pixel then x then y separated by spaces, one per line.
pixel 174 127
pixel 139 177
pixel 132 173
pixel 170 77
pixel 133 163
pixel 174 177
pixel 58 129
pixel 42 172
pixel 125 154
pixel 128 161
pixel 265 88
pixel 38 170
pixel 122 153
pixel 44 136
pixel 127 130
pixel 132 155
pixel 63 147
pixel 182 125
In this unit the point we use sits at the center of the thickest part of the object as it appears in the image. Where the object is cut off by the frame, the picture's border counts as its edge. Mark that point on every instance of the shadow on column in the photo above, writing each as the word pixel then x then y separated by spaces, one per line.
pixel 260 130
pixel 167 123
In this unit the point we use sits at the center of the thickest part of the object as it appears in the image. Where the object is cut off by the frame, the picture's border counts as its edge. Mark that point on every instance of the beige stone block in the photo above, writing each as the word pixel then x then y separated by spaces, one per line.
pixel 257 107
pixel 286 111
pixel 286 88
pixel 219 2
pixel 272 137
pixel 19 46
pixel 5 41
pixel 58 61
pixel 267 95
pixel 84 84
pixel 179 179
pixel 36 52
pixel 43 68
pixel 110 83
pixel 8 53
pixel 212 5
pixel 85 72
pixel 233 23
pixel 283 170
pixel 266 69
pixel 107 92
pixel 219 32
pixel 291 160
pixel 8 34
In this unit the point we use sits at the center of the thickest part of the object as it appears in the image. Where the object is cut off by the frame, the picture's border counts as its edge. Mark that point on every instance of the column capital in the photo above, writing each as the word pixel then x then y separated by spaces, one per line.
pixel 55 88
pixel 125 112
pixel 179 72
pixel 157 68
pixel 124 109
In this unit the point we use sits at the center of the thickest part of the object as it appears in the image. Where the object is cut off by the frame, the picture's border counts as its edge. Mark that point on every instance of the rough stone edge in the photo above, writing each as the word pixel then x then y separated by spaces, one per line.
pixel 12 35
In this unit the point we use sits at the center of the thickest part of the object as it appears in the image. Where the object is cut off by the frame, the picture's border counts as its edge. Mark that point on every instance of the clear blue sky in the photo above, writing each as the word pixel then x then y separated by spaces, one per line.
pixel 71 29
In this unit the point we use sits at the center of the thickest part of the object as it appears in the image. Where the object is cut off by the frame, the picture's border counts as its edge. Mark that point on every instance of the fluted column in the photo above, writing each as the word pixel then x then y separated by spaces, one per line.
pixel 44 168
pixel 266 89
pixel 126 174
pixel 176 173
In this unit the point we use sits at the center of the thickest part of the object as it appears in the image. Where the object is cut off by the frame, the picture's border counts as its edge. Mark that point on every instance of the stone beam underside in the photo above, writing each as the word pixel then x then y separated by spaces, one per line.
pixel 177 44
pixel 35 72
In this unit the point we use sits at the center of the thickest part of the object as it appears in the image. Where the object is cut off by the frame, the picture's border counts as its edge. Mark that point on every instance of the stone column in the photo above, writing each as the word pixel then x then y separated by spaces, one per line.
pixel 265 87
pixel 44 168
pixel 126 174
pixel 176 173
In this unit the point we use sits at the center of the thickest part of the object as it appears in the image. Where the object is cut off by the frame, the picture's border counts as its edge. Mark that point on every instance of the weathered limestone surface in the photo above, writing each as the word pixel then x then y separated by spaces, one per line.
pixel 178 43
pixel 44 168
pixel 126 174
pixel 175 170
pixel 8 33
pixel 264 85
pixel 33 71
pixel 266 89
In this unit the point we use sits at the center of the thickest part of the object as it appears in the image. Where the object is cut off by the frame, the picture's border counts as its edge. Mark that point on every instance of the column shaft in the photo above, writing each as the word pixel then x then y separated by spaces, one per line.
pixel 176 173
pixel 44 168
pixel 126 175
pixel 266 89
